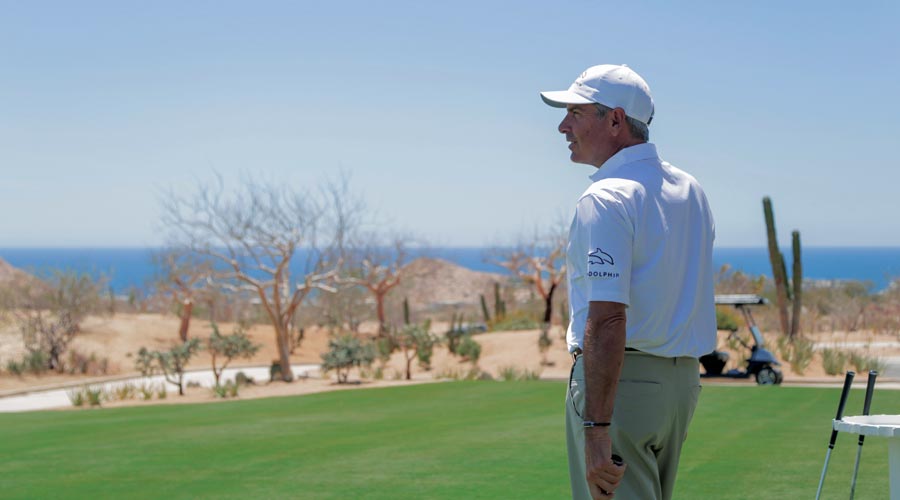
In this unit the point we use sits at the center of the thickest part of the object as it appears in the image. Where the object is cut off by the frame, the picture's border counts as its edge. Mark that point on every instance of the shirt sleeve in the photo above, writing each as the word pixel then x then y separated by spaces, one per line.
pixel 604 226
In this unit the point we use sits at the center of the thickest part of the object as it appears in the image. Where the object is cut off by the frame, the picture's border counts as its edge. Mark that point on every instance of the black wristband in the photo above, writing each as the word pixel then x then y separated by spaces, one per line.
pixel 587 424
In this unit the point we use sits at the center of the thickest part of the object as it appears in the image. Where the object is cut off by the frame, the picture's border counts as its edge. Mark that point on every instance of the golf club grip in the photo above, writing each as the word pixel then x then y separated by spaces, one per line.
pixel 870 390
pixel 848 381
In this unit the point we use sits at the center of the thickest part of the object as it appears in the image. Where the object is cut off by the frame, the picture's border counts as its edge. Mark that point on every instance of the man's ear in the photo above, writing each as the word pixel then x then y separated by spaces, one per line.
pixel 617 120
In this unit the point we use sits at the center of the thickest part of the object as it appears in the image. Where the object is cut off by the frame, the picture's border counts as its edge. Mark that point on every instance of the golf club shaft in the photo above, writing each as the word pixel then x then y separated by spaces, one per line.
pixel 848 380
pixel 870 389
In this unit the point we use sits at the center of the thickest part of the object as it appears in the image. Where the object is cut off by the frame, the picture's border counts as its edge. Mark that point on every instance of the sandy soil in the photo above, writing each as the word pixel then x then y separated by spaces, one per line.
pixel 118 338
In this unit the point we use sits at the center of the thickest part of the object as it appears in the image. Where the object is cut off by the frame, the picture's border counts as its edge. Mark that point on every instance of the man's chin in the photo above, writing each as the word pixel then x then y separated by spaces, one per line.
pixel 574 158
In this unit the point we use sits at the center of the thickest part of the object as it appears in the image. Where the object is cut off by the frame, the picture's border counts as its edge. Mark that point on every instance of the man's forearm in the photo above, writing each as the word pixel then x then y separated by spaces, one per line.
pixel 604 353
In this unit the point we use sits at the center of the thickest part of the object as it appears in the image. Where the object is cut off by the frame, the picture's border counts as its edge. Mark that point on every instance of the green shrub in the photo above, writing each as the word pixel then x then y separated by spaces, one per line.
pixel 35 362
pixel 544 343
pixel 243 379
pixel 227 390
pixel 520 320
pixel 76 396
pixel 469 349
pixel 219 391
pixel 78 363
pixel 123 392
pixel 471 373
pixel 94 395
pixel 453 337
pixel 833 360
pixel 15 367
pixel 161 391
pixel 146 391
pixel 798 353
pixel 863 363
pixel 727 319
pixel 344 353
pixel 511 374
pixel 508 373
pixel 225 348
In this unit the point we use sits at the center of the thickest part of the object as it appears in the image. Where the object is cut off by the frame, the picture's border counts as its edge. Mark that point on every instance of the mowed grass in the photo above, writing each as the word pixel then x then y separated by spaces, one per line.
pixel 502 440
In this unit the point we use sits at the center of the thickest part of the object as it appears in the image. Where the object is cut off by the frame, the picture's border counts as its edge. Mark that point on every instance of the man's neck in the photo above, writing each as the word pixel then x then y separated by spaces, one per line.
pixel 623 145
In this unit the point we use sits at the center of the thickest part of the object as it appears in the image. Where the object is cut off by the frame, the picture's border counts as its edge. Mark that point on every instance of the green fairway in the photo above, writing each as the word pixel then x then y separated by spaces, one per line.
pixel 450 440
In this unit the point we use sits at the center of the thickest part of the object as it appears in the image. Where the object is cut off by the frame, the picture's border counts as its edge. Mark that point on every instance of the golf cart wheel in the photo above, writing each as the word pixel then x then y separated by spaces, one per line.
pixel 768 376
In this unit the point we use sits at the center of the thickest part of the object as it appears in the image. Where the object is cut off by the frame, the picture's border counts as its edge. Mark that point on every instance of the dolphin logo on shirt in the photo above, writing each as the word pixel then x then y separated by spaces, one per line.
pixel 598 256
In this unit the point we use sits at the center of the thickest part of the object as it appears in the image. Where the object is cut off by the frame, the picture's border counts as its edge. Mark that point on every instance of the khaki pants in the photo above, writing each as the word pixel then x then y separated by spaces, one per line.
pixel 655 402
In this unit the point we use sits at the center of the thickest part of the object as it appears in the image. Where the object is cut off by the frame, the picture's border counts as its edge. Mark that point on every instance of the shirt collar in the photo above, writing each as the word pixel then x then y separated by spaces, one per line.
pixel 643 151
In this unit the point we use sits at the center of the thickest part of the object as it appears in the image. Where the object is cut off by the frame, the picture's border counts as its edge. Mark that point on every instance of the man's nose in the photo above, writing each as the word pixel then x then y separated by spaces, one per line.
pixel 563 125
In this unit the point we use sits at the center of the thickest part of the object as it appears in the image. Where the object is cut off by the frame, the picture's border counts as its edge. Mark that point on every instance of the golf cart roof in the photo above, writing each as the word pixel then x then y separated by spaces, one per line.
pixel 741 299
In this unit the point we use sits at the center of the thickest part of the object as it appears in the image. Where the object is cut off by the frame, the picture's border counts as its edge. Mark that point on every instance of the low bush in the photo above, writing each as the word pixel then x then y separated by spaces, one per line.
pixel 798 353
pixel 727 319
pixel 346 352
pixel 35 362
pixel 94 395
pixel 833 361
pixel 519 320
pixel 76 396
pixel 468 349
pixel 81 364
pixel 146 391
pixel 124 392
pixel 863 363
pixel 511 374
pixel 471 373
pixel 16 368
pixel 243 379
pixel 227 390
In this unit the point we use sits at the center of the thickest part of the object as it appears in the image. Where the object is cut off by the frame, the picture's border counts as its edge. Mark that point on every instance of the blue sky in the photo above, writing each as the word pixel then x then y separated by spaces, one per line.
pixel 433 109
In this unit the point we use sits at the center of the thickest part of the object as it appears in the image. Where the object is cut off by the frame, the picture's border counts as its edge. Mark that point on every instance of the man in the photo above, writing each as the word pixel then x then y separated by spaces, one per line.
pixel 639 263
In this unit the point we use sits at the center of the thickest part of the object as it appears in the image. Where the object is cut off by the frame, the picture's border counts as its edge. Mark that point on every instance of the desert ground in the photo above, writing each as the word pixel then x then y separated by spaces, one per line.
pixel 119 337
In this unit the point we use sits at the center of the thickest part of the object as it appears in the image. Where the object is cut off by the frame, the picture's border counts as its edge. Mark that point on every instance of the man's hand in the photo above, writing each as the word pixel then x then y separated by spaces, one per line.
pixel 603 476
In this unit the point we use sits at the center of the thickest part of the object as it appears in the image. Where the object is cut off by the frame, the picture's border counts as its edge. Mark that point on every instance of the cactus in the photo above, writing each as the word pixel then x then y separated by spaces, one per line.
pixel 778 267
pixel 484 310
pixel 405 310
pixel 499 304
pixel 797 278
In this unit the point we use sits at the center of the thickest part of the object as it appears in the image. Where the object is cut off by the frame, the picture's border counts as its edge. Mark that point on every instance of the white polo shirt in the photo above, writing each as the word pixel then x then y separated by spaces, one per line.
pixel 642 236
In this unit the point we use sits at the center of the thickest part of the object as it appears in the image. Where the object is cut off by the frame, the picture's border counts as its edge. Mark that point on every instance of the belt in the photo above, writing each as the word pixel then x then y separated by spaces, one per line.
pixel 578 352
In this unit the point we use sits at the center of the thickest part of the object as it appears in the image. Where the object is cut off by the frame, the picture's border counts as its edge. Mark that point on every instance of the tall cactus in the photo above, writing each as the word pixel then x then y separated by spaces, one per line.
pixel 405 310
pixel 499 304
pixel 484 310
pixel 797 276
pixel 778 267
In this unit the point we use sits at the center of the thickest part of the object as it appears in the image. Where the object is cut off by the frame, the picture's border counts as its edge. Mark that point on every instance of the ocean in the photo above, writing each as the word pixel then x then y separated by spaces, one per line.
pixel 132 267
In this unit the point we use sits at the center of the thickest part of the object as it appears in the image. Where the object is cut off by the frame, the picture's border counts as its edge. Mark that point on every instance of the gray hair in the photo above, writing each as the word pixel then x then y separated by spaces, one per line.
pixel 639 130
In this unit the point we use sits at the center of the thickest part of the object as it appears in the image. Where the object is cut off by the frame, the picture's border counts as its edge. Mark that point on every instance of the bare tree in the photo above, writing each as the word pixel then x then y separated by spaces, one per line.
pixel 253 235
pixel 378 269
pixel 182 275
pixel 48 313
pixel 539 262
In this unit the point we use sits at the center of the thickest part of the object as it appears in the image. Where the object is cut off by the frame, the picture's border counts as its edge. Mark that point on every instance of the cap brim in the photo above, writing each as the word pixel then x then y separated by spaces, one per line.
pixel 562 98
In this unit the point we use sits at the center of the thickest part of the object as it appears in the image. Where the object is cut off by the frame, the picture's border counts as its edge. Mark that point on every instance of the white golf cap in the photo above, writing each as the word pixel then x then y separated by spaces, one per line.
pixel 611 85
